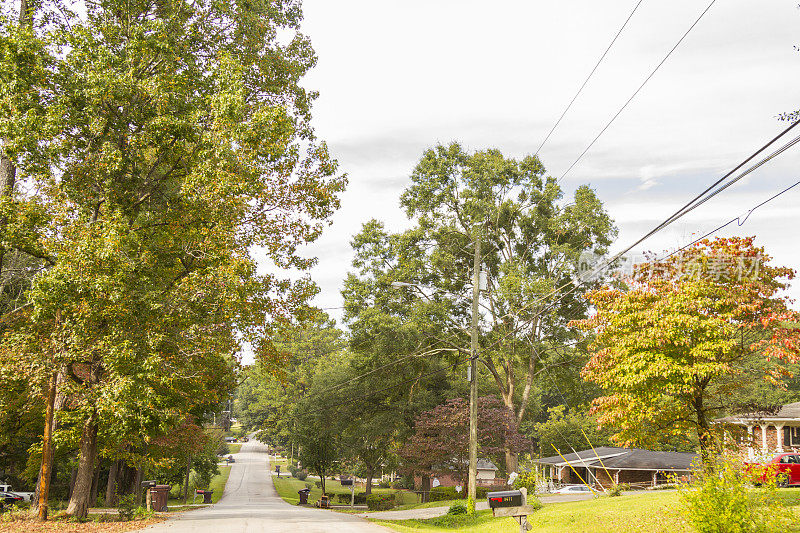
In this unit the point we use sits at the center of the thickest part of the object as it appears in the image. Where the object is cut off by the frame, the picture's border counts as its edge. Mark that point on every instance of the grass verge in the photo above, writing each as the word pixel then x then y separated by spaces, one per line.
pixel 287 488
pixel 657 512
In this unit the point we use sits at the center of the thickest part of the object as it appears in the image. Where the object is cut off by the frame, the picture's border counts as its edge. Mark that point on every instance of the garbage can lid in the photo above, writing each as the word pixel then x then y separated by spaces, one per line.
pixel 163 487
pixel 304 490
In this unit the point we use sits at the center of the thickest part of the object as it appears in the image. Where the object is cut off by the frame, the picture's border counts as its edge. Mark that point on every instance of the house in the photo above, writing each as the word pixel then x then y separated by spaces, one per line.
pixel 766 432
pixel 486 476
pixel 605 466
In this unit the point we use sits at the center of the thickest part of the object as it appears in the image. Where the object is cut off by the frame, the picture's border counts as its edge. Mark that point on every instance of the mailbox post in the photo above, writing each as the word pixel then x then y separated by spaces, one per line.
pixel 512 503
pixel 147 485
pixel 349 482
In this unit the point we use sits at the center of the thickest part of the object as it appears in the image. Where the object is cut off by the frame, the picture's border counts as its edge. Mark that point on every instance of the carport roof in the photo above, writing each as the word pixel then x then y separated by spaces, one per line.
pixel 624 459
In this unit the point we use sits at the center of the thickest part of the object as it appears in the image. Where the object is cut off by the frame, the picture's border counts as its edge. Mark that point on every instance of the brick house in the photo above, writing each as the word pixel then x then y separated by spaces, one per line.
pixel 486 477
pixel 764 433
pixel 606 465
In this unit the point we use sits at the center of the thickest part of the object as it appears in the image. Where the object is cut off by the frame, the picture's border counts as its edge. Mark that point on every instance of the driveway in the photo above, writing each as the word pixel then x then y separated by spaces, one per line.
pixel 251 505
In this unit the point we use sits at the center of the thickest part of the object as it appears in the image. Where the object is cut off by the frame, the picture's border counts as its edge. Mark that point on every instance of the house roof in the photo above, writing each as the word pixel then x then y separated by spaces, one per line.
pixel 486 464
pixel 790 411
pixel 624 459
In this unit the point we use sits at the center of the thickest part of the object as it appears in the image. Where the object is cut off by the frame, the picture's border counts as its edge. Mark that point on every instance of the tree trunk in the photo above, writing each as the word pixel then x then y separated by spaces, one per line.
pixel 79 502
pixel 111 486
pixel 370 473
pixel 95 485
pixel 47 450
pixel 511 456
pixel 137 484
pixel 186 480
pixel 425 487
pixel 512 461
pixel 73 475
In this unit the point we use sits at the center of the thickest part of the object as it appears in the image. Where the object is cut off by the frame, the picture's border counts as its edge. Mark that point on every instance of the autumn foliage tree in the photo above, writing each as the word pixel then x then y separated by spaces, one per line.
pixel 440 442
pixel 686 338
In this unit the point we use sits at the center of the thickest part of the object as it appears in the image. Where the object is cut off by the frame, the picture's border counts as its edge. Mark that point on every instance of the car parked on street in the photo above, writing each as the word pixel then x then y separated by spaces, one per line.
pixel 783 467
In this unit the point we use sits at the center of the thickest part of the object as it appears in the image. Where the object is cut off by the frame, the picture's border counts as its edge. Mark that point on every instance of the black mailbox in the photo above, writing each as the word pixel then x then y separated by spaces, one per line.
pixel 504 498
pixel 346 482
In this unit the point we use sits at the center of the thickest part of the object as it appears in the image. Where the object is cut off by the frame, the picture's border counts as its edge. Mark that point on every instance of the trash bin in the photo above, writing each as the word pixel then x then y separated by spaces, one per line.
pixel 303 495
pixel 207 496
pixel 160 494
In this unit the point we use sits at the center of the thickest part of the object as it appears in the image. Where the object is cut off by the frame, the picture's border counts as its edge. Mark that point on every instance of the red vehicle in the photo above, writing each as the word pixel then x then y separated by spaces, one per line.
pixel 785 467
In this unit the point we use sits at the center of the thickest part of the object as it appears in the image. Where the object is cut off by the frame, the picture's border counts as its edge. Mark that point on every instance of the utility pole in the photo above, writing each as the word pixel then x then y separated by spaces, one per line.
pixel 473 377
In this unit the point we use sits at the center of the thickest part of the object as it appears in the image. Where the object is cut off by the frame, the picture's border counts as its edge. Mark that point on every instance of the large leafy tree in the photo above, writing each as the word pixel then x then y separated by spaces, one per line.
pixel 531 243
pixel 689 338
pixel 177 139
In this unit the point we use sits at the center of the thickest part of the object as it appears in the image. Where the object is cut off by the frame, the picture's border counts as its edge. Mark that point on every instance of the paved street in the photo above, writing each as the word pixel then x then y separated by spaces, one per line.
pixel 251 505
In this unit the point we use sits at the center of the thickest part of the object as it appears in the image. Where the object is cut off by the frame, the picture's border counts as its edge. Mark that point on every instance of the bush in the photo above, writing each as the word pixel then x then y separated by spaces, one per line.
pixel 527 480
pixel 719 500
pixel 380 502
pixel 439 494
pixel 457 508
pixel 302 475
pixel 385 484
pixel 615 490
pixel 126 507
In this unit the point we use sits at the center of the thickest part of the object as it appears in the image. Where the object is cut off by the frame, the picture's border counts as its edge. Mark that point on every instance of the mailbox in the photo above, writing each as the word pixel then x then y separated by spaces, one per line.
pixel 346 482
pixel 505 498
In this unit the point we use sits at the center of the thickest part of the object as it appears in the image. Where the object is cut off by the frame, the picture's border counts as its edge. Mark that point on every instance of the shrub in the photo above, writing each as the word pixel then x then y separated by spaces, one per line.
pixel 385 484
pixel 126 507
pixel 302 475
pixel 615 490
pixel 527 480
pixel 457 508
pixel 719 500
pixel 380 502
pixel 439 494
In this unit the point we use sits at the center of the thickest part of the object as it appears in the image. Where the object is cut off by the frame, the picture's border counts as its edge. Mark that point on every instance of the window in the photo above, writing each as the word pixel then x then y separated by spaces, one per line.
pixel 791 436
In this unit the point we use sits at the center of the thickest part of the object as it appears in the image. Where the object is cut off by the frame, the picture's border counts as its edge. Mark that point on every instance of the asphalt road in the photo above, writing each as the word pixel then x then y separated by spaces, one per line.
pixel 251 505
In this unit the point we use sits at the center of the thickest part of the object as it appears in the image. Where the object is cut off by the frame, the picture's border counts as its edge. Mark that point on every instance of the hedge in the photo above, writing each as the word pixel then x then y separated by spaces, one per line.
pixel 380 502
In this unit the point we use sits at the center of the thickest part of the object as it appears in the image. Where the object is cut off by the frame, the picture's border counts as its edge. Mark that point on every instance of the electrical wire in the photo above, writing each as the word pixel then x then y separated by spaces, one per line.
pixel 589 76
pixel 647 79
pixel 740 220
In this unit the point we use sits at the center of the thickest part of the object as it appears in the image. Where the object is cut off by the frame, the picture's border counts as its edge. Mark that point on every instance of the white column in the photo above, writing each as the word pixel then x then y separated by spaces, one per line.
pixel 779 441
pixel 764 437
pixel 749 442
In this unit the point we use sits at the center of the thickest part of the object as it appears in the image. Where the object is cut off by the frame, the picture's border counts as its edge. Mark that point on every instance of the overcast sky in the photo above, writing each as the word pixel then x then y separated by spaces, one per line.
pixel 398 77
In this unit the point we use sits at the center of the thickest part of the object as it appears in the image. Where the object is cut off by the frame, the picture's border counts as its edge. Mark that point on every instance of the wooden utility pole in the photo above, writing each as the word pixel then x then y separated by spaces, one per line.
pixel 473 376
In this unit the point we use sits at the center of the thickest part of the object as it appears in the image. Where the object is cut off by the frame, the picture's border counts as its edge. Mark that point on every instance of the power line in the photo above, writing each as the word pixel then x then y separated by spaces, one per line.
pixel 588 77
pixel 637 90
pixel 688 207
pixel 740 220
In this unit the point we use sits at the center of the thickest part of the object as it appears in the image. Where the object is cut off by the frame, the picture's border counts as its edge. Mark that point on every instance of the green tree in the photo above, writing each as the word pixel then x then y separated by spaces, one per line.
pixel 567 431
pixel 687 338
pixel 531 246
pixel 178 140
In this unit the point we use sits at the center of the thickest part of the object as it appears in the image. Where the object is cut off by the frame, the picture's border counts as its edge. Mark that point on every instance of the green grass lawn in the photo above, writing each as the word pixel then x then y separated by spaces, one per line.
pixel 653 512
pixel 217 485
pixel 234 448
pixel 287 488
